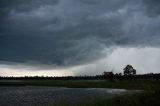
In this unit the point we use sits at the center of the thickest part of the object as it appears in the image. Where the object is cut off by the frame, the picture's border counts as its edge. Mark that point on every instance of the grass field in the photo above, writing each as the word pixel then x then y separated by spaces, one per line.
pixel 150 96
pixel 131 84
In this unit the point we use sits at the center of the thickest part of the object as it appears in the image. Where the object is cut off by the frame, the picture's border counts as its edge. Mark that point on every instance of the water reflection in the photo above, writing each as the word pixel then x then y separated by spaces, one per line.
pixel 31 95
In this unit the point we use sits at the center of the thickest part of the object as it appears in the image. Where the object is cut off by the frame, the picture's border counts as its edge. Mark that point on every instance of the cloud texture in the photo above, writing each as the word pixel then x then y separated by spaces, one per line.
pixel 74 32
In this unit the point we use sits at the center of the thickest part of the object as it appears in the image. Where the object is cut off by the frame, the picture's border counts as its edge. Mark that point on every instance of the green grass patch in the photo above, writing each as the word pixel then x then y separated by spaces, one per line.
pixel 135 84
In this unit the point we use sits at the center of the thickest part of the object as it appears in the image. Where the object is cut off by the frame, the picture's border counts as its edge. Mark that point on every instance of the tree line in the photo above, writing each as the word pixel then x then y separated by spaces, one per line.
pixel 129 73
pixel 104 76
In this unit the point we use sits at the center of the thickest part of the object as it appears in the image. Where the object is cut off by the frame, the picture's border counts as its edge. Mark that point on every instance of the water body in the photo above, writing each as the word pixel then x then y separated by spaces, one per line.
pixel 42 96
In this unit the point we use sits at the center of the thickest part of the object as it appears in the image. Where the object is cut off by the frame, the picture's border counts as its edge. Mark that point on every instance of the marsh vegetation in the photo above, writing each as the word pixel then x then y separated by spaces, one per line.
pixel 104 90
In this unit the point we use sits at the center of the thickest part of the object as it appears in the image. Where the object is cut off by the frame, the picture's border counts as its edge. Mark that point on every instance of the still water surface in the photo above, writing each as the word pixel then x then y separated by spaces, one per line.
pixel 32 95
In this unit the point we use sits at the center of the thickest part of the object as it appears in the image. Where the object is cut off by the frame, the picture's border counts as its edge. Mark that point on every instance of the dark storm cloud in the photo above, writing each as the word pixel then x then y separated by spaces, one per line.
pixel 69 32
pixel 153 7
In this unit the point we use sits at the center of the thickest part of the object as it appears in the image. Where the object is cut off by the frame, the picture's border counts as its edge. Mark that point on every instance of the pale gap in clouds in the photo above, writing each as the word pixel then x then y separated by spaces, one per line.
pixel 144 60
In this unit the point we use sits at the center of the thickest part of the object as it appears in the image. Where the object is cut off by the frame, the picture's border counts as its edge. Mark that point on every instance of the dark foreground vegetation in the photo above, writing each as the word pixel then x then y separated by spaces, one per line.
pixel 125 84
pixel 149 83
pixel 142 82
pixel 137 99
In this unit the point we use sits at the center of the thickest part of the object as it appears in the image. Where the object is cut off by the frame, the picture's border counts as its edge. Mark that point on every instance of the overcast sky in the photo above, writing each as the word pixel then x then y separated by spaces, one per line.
pixel 78 37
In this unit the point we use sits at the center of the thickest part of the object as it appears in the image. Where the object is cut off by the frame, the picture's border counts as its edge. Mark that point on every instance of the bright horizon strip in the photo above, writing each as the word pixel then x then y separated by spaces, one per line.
pixel 144 60
pixel 24 72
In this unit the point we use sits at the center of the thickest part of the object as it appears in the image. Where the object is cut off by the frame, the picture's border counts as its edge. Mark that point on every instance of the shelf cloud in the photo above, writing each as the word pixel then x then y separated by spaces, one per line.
pixel 62 33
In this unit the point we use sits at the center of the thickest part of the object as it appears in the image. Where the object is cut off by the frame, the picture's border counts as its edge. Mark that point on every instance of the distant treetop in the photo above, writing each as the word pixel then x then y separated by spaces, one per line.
pixel 129 70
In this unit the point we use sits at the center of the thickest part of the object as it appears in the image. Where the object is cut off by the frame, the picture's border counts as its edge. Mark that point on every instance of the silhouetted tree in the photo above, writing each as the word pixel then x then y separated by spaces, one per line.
pixel 129 70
